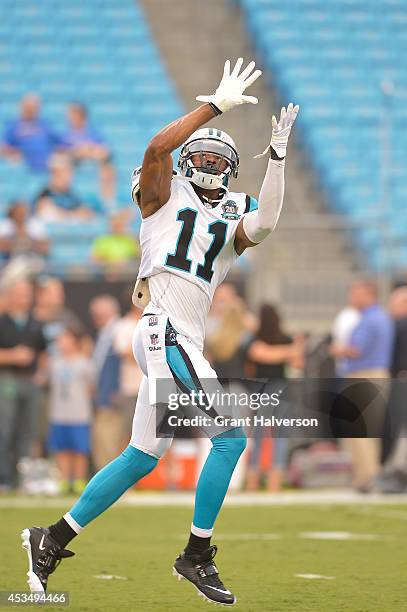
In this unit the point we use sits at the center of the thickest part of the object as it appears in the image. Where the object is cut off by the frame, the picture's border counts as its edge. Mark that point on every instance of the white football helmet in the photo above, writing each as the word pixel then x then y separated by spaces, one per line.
pixel 135 182
pixel 208 174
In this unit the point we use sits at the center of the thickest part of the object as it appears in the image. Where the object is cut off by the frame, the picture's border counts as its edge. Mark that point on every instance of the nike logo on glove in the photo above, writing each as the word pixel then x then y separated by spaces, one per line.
pixel 41 547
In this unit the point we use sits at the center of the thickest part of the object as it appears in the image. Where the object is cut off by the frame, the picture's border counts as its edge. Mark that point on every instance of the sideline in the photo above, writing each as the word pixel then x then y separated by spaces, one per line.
pixel 306 498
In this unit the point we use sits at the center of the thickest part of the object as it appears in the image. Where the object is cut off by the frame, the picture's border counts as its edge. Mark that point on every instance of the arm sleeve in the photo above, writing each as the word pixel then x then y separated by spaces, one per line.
pixel 259 223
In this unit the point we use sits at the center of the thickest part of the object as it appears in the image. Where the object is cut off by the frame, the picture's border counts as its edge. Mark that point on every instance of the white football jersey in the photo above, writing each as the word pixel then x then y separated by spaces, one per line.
pixel 195 243
pixel 190 240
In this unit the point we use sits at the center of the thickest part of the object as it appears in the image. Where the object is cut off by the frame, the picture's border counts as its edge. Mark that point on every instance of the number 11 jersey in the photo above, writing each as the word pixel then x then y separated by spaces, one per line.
pixel 187 238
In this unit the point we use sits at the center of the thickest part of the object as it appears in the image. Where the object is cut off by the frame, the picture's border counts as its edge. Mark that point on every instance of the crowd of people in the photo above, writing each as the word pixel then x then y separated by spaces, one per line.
pixel 68 392
pixel 63 393
pixel 56 156
pixel 30 139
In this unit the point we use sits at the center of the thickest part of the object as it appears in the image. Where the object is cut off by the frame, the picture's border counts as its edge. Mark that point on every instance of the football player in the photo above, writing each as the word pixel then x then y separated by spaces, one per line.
pixel 193 229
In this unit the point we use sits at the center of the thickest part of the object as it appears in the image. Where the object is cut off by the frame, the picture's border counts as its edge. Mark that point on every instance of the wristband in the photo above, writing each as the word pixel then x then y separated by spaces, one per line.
pixel 215 109
pixel 274 156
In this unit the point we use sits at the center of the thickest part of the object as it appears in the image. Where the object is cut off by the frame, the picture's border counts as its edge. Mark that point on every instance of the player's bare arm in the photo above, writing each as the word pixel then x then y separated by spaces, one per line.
pixel 156 171
pixel 255 226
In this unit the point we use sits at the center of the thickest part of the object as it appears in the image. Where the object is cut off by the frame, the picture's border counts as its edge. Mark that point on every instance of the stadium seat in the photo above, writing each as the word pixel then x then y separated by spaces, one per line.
pixel 100 53
pixel 332 58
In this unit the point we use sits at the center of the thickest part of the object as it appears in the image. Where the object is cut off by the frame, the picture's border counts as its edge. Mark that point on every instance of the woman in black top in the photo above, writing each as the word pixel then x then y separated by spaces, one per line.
pixel 269 354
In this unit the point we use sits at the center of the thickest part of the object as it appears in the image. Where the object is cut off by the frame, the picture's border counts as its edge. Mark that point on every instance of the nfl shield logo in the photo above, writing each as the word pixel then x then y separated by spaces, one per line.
pixel 153 321
pixel 154 339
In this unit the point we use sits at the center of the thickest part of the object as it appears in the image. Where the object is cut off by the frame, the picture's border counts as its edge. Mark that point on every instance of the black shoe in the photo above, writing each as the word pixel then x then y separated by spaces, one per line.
pixel 44 555
pixel 203 573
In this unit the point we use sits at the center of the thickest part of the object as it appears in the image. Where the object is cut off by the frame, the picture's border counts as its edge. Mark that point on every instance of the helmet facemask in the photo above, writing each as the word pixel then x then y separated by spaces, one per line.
pixel 212 173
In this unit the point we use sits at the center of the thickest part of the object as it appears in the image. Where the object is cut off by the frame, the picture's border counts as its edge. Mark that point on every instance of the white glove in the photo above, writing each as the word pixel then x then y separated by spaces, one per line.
pixel 281 130
pixel 231 88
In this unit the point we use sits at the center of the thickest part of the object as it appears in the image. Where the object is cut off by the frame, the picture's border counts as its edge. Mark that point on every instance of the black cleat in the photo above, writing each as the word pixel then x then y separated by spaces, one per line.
pixel 203 573
pixel 44 555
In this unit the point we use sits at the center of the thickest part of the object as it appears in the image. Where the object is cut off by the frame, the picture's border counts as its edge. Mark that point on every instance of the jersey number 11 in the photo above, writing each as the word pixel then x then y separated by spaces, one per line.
pixel 179 259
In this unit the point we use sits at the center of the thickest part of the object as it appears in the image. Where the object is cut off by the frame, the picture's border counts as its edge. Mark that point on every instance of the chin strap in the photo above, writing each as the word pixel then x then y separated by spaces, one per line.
pixel 181 177
pixel 212 202
pixel 190 179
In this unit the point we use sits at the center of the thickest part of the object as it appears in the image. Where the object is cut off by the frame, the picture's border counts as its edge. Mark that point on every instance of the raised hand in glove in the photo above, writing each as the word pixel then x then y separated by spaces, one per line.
pixel 281 130
pixel 232 86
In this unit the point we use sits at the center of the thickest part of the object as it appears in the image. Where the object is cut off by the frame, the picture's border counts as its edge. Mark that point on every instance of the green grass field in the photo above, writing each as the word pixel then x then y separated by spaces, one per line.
pixel 259 554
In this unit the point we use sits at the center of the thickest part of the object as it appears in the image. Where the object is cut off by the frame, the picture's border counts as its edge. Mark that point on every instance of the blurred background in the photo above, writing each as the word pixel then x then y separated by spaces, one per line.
pixel 84 86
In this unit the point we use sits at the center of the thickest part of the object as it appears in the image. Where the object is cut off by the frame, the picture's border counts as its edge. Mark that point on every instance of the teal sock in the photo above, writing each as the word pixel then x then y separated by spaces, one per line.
pixel 215 477
pixel 110 483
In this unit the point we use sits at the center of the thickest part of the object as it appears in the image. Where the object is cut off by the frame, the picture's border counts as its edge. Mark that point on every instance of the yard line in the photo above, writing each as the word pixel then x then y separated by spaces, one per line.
pixel 341 536
pixel 314 577
pixel 110 577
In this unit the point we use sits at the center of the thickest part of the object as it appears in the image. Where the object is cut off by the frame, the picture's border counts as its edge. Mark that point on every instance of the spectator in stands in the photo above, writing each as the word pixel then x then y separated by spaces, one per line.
pixel 21 267
pixel 21 235
pixel 108 421
pixel 50 309
pixel 368 355
pixel 71 378
pixel 130 372
pixel 85 143
pixel 57 201
pixel 117 248
pixel 269 354
pixel 30 138
pixel 22 346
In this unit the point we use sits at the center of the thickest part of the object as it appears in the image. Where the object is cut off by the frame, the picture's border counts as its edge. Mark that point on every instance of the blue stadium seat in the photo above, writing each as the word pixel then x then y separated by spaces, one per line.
pixel 100 53
pixel 331 58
